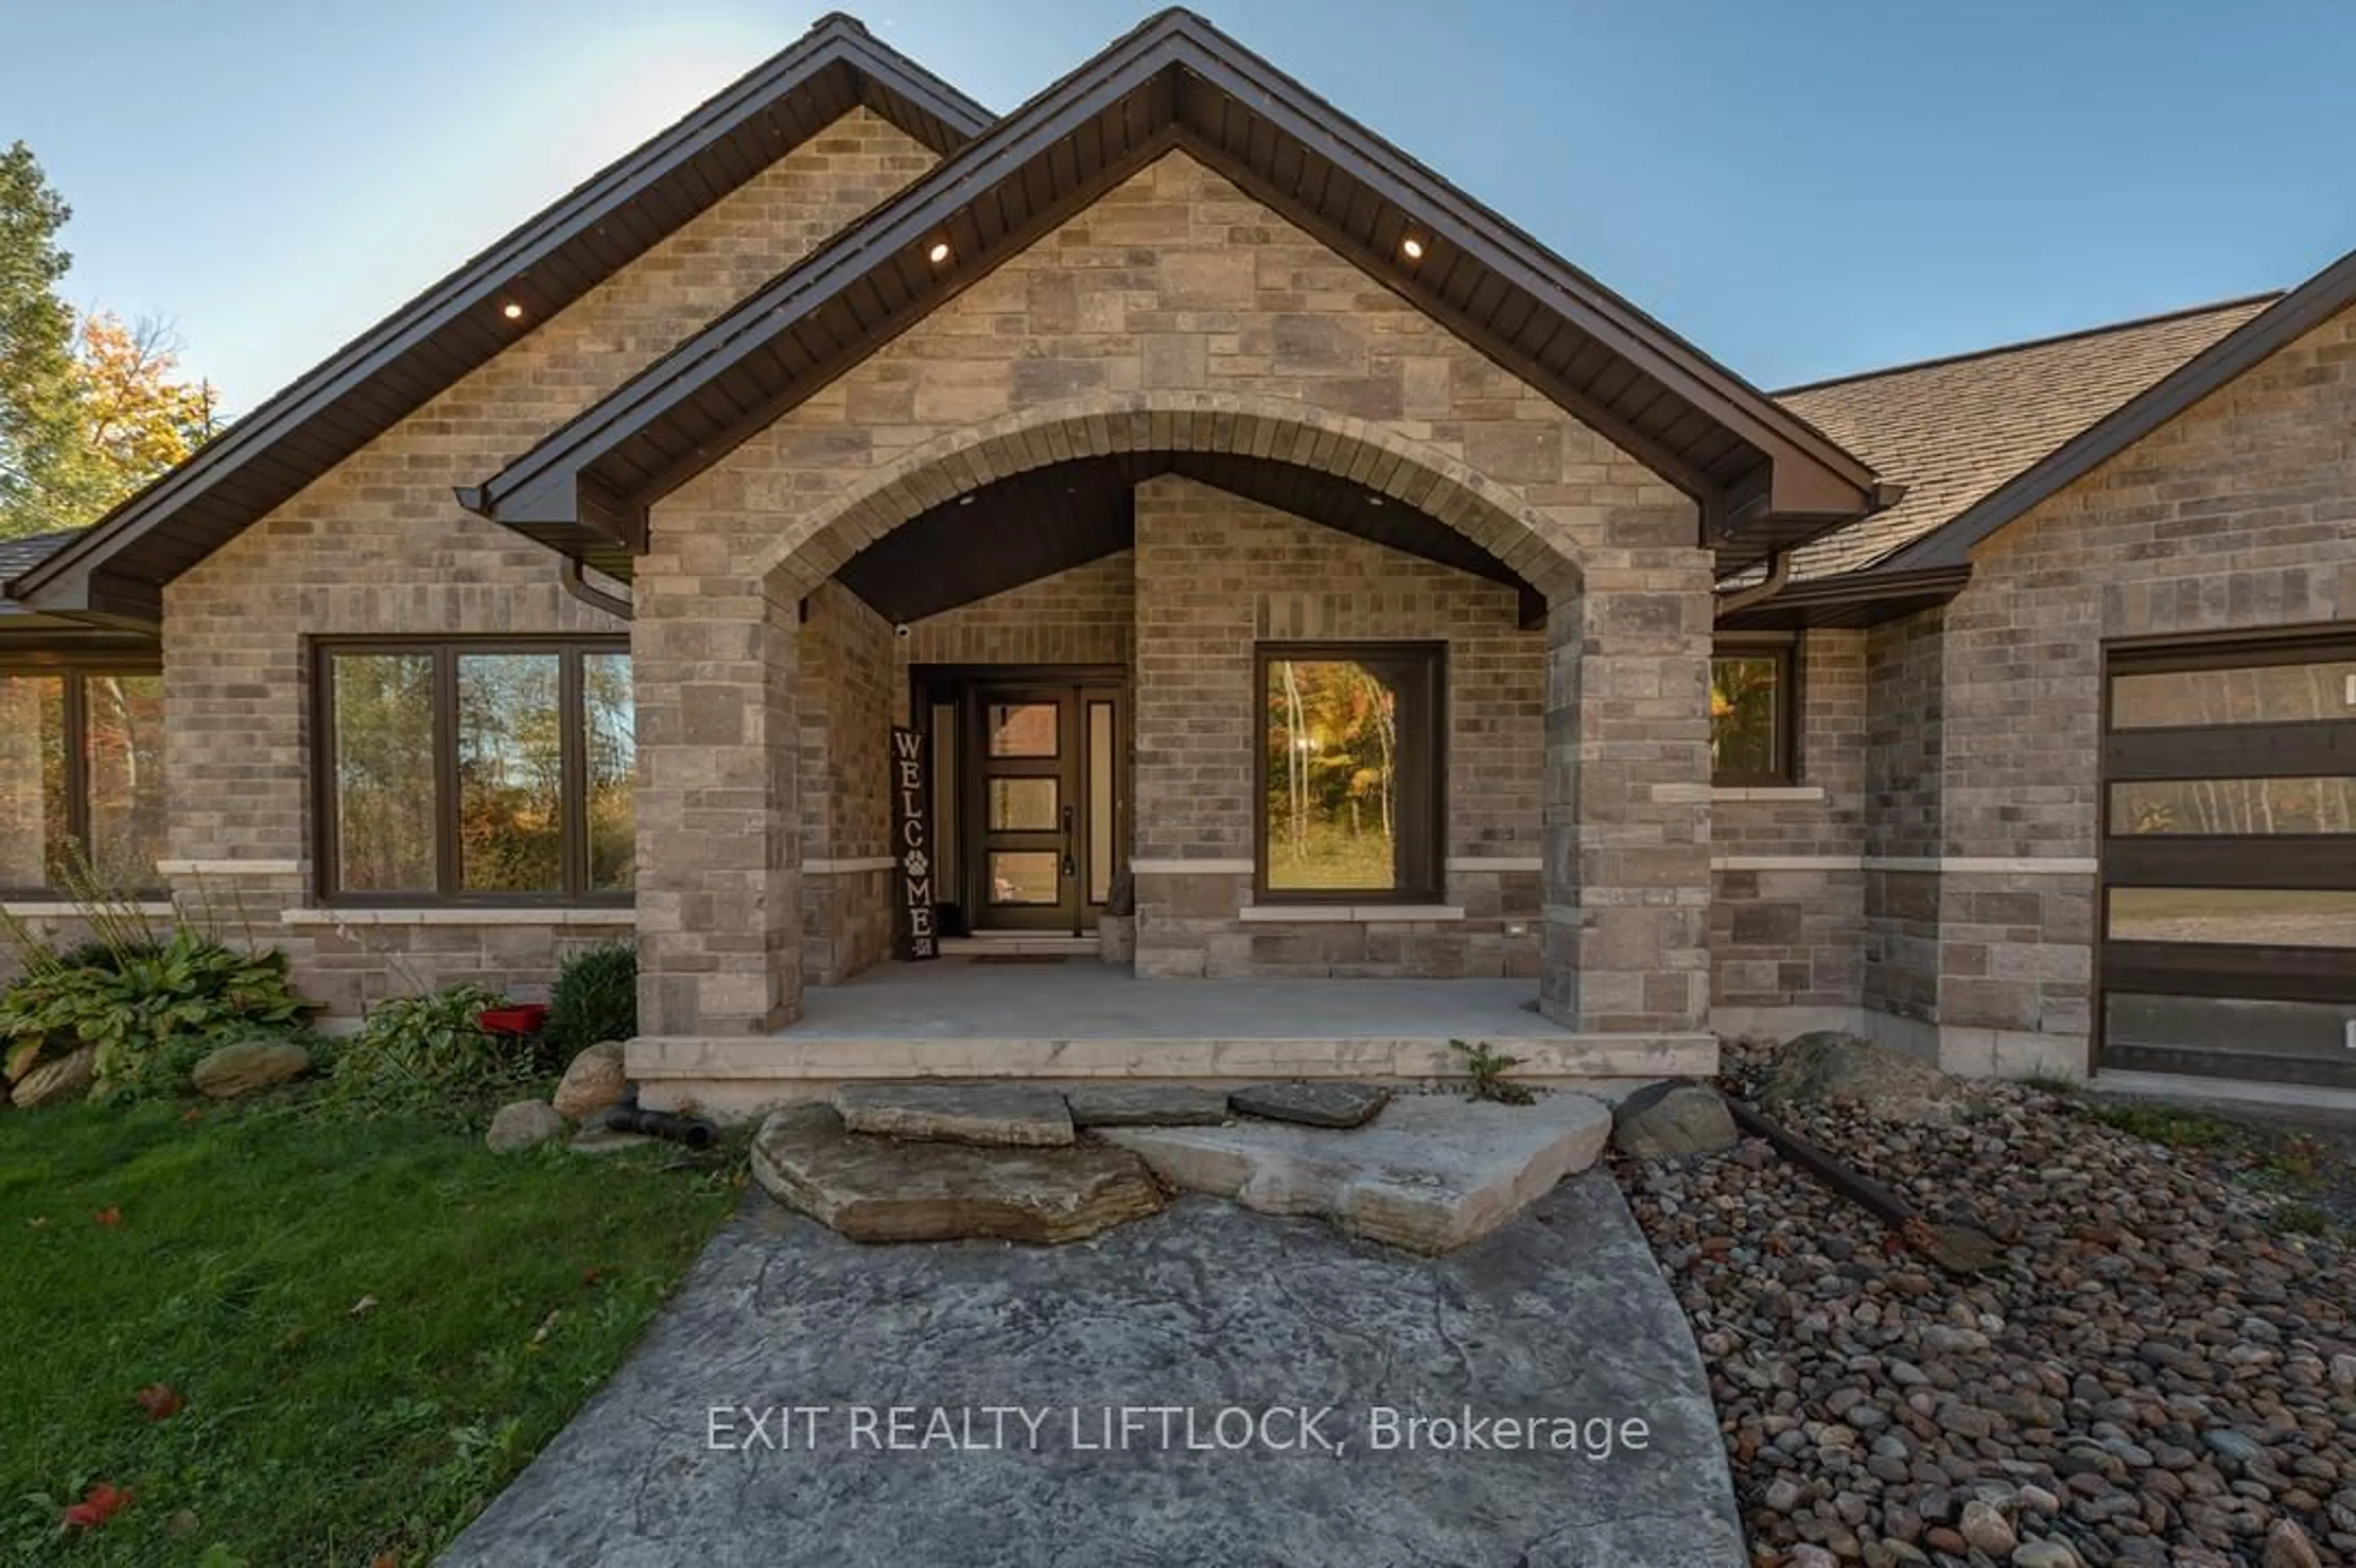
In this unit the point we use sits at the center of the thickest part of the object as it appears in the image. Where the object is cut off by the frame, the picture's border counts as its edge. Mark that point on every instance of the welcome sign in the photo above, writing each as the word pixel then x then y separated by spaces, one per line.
pixel 911 845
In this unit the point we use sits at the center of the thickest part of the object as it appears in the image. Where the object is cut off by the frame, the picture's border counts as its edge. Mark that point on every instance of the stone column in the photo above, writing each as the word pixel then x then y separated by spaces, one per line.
pixel 1627 886
pixel 716 664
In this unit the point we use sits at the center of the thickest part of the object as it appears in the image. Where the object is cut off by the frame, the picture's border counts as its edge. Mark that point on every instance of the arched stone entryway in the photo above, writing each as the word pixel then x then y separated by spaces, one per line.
pixel 1624 791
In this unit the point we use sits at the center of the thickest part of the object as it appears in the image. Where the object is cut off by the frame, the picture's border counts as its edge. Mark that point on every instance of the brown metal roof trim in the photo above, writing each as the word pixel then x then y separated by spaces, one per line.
pixel 1855 598
pixel 1765 477
pixel 2298 313
pixel 117 569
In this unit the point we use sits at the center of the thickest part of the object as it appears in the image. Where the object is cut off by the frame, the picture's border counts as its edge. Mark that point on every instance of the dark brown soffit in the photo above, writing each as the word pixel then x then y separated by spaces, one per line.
pixel 1764 477
pixel 117 569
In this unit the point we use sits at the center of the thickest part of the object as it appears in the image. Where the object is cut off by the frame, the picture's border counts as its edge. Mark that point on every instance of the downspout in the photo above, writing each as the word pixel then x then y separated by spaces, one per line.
pixel 1779 577
pixel 578 586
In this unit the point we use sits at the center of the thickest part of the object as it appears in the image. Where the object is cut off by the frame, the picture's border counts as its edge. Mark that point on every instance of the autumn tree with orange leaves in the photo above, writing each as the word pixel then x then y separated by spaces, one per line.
pixel 91 407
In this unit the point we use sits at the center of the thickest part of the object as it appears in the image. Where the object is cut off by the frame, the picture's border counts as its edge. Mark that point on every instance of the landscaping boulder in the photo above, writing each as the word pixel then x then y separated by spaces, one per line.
pixel 523 1124
pixel 1016 1115
pixel 1831 1068
pixel 55 1083
pixel 594 1081
pixel 1670 1121
pixel 1311 1105
pixel 248 1069
pixel 886 1189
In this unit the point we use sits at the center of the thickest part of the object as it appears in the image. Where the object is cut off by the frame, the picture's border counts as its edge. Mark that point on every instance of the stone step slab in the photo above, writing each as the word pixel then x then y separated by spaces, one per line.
pixel 1435 1173
pixel 1001 1115
pixel 1145 1106
pixel 888 1189
pixel 1311 1105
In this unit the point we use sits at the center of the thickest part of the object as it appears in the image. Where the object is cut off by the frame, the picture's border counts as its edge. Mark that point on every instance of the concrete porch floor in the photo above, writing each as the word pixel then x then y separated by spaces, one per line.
pixel 1079 1020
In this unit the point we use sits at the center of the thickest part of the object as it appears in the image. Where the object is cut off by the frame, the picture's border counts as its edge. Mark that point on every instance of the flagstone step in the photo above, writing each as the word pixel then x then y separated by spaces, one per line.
pixel 1432 1173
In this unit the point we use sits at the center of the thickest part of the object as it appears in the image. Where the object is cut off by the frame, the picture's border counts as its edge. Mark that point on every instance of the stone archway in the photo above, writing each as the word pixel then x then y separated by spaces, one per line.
pixel 1381 458
pixel 1624 790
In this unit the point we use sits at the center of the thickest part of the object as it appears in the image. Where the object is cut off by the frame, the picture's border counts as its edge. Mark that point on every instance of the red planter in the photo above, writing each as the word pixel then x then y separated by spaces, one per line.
pixel 522 1018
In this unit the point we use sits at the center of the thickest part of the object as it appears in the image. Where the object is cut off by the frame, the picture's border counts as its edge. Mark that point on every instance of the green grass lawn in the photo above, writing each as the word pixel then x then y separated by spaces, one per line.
pixel 374 1325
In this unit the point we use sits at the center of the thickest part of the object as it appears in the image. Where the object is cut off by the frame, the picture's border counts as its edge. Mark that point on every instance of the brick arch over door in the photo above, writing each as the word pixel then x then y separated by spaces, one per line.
pixel 1377 456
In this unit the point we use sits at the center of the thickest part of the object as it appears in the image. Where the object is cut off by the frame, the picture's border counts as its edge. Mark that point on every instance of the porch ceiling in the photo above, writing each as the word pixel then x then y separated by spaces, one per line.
pixel 1044 520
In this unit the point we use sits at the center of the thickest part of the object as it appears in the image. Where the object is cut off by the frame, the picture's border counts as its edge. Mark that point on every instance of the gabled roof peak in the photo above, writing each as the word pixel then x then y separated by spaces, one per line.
pixel 117 568
pixel 1763 475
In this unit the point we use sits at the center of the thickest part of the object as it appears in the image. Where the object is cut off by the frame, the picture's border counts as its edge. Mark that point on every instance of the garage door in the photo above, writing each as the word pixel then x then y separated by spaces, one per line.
pixel 2229 861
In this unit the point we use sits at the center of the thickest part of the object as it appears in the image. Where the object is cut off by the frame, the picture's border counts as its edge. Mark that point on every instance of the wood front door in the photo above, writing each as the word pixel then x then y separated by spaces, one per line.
pixel 2228 919
pixel 1039 765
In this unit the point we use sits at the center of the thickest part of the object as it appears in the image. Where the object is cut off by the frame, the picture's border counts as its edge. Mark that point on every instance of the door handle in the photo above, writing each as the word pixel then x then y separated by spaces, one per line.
pixel 1071 868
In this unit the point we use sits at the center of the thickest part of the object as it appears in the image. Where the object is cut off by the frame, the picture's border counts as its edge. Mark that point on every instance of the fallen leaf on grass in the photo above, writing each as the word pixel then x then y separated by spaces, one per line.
pixel 160 1401
pixel 98 1505
pixel 37 1222
pixel 110 1216
pixel 592 1275
pixel 365 1305
pixel 547 1327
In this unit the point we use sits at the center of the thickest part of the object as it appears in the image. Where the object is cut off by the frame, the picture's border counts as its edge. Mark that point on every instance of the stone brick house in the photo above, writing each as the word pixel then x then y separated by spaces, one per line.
pixel 1235 518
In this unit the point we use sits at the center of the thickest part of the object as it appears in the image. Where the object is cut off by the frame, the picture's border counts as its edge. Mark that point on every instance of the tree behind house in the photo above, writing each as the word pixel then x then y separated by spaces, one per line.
pixel 91 409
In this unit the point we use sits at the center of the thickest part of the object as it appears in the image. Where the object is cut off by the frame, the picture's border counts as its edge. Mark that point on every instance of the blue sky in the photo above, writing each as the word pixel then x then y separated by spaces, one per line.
pixel 1802 186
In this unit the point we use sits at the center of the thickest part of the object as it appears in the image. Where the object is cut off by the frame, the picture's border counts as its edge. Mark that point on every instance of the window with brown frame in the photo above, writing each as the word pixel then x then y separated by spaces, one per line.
pixel 477 771
pixel 1352 736
pixel 81 778
pixel 1751 714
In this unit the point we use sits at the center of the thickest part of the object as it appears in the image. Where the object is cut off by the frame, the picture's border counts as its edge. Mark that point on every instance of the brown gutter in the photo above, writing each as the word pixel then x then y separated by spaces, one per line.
pixel 1779 577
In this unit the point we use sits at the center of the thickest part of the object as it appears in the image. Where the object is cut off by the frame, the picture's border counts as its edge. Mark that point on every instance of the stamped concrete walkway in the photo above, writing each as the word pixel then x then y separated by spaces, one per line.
pixel 1036 1360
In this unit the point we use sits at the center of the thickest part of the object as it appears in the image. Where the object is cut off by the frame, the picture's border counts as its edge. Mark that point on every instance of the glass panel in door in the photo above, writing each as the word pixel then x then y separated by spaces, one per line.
pixel 1026 866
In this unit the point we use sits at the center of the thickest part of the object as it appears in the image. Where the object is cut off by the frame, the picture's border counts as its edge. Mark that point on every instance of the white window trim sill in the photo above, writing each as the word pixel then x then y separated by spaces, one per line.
pixel 461 914
pixel 1336 914
pixel 1766 792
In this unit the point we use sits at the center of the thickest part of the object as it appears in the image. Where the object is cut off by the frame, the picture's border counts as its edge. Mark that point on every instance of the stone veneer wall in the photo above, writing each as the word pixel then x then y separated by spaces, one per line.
pixel 848 698
pixel 1787 926
pixel 2238 515
pixel 1216 576
pixel 1085 615
pixel 379 546
pixel 1177 310
pixel 1905 749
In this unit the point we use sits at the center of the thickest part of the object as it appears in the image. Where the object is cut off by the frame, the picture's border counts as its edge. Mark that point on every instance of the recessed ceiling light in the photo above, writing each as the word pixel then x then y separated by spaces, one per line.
pixel 966 499
pixel 512 311
pixel 1373 499
pixel 939 253
pixel 1412 248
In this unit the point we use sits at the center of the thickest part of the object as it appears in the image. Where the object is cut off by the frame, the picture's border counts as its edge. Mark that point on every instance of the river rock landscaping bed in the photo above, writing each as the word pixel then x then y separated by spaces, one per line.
pixel 2160 1373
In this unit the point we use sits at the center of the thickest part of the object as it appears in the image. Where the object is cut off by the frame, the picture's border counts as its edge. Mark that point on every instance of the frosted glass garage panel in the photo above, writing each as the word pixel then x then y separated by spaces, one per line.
pixel 2148 807
pixel 2242 917
pixel 2252 694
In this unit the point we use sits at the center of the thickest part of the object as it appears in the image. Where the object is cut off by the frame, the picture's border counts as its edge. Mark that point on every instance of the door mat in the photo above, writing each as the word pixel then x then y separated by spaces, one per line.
pixel 1021 957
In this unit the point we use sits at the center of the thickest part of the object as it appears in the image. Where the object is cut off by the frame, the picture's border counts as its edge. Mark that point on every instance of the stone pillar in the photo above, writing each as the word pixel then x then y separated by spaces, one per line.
pixel 719 898
pixel 1627 885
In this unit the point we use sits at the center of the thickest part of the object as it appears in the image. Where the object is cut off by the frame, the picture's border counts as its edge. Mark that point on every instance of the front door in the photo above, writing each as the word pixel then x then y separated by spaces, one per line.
pixel 1039 795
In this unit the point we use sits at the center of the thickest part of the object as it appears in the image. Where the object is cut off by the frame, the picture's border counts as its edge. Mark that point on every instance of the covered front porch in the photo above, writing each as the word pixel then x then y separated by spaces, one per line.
pixel 1059 1019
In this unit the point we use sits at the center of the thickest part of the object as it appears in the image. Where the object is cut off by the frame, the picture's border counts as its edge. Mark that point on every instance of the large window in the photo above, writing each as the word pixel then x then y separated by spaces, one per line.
pixel 1751 714
pixel 493 772
pixel 81 775
pixel 1350 772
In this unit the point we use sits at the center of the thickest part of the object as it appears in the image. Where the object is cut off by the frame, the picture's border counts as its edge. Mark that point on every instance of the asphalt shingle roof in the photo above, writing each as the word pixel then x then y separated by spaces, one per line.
pixel 18 556
pixel 1953 430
